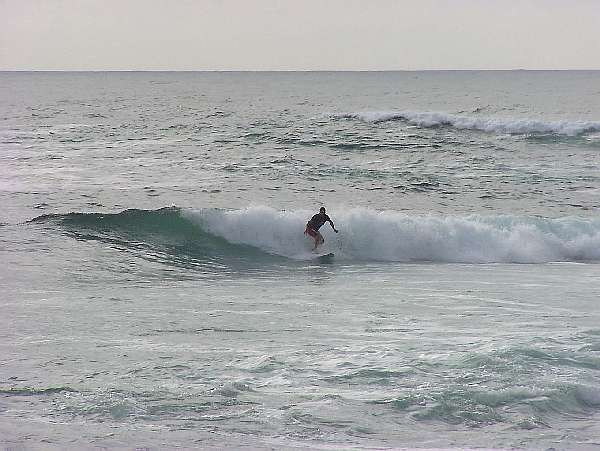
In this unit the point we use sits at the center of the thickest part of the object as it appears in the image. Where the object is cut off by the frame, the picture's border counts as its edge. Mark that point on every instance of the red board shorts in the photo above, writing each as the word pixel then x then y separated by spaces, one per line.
pixel 311 232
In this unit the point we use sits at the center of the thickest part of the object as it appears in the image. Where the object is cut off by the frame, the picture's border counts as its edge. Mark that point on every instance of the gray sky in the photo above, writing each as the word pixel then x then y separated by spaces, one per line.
pixel 299 34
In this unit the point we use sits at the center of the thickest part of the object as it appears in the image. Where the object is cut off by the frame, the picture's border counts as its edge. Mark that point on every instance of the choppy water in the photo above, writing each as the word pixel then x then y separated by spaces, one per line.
pixel 157 290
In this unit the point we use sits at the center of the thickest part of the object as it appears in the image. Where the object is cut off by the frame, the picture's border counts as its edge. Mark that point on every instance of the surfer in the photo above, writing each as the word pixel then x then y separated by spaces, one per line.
pixel 315 223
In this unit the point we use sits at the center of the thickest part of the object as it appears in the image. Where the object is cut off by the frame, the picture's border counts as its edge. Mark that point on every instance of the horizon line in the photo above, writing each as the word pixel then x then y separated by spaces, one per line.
pixel 299 70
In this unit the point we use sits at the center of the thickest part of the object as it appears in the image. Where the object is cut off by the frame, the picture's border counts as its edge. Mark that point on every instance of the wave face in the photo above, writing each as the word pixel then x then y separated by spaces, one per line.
pixel 165 236
pixel 486 124
pixel 260 234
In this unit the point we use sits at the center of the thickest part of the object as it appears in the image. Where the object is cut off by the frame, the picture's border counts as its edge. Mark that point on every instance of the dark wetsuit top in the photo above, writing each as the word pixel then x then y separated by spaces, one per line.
pixel 317 221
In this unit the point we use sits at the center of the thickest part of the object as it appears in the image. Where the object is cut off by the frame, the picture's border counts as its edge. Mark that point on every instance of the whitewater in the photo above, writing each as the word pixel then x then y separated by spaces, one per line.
pixel 158 291
pixel 486 124
pixel 392 236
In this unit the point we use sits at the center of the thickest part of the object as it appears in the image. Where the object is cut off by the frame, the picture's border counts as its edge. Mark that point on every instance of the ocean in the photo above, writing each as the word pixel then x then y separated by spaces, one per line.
pixel 157 290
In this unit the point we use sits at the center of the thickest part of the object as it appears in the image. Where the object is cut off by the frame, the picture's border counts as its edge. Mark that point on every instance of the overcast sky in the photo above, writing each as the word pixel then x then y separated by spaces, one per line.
pixel 299 34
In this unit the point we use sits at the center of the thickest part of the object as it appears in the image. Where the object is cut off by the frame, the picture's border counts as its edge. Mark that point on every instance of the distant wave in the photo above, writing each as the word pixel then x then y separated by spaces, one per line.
pixel 261 234
pixel 30 391
pixel 486 124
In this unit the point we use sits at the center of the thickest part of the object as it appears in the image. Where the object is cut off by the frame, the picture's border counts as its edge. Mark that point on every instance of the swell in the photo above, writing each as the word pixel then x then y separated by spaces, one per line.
pixel 487 124
pixel 263 234
pixel 31 391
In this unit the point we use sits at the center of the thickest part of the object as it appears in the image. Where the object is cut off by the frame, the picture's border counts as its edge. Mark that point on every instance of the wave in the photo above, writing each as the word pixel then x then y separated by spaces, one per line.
pixel 31 391
pixel 260 234
pixel 486 124
pixel 164 236
pixel 478 407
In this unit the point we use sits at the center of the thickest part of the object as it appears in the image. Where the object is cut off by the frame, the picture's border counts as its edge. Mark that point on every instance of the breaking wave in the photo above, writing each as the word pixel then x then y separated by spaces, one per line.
pixel 486 124
pixel 392 236
pixel 260 234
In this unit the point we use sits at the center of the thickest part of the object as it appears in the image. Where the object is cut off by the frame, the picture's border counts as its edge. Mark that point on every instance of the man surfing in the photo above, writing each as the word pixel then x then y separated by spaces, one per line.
pixel 315 223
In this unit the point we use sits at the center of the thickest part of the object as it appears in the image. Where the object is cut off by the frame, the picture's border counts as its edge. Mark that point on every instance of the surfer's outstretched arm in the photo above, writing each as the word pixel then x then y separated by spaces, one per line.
pixel 332 226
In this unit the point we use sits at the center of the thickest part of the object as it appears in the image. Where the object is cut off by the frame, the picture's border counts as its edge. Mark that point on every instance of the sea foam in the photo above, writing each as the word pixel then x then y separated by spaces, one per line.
pixel 367 234
pixel 486 124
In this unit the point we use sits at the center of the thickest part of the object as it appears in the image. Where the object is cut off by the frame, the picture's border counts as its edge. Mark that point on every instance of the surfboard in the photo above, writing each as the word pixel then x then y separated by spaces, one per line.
pixel 324 257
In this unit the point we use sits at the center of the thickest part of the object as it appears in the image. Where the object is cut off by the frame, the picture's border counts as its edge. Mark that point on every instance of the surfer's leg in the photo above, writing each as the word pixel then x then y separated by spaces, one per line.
pixel 319 240
pixel 315 235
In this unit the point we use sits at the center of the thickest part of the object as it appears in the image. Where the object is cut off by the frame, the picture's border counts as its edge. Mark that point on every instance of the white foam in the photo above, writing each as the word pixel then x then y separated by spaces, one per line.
pixel 486 124
pixel 393 236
